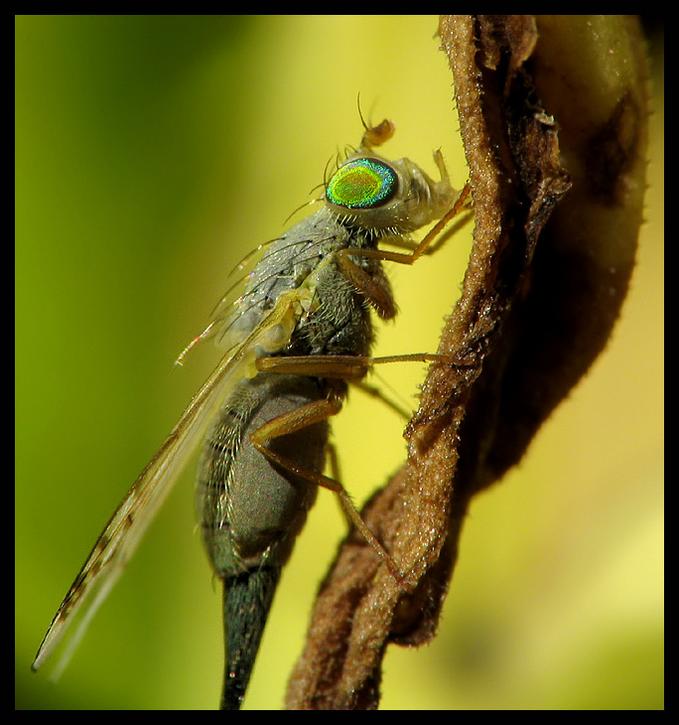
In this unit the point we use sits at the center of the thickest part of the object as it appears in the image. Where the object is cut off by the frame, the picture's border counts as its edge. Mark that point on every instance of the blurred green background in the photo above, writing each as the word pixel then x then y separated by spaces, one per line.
pixel 151 154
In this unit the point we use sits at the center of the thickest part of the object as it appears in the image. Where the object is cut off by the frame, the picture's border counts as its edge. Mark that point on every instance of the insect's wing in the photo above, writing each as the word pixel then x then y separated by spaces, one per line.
pixel 127 525
pixel 226 312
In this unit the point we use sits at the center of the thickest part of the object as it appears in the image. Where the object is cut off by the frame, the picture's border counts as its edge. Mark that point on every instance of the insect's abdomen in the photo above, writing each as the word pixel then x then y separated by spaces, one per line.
pixel 250 509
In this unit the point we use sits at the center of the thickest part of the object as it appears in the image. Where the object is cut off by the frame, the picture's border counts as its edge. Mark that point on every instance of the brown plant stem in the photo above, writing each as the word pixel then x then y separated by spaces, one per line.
pixel 531 318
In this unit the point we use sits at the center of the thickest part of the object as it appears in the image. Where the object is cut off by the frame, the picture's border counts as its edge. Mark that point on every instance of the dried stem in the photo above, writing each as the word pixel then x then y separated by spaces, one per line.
pixel 513 325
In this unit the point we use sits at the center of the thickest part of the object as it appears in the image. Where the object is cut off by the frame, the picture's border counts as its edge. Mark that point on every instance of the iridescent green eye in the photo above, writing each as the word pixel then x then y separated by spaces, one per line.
pixel 362 184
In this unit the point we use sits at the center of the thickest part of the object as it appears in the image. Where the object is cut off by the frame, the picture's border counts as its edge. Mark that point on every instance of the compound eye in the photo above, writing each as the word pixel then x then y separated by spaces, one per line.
pixel 362 184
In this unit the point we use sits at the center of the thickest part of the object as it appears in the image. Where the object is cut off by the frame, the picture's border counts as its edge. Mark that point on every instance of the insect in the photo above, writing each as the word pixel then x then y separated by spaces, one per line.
pixel 296 336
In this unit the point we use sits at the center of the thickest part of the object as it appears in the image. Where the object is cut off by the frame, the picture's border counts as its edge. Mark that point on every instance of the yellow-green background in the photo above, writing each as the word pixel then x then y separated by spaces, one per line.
pixel 151 154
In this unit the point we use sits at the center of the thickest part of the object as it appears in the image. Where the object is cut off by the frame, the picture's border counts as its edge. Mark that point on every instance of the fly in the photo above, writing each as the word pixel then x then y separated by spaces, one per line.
pixel 298 334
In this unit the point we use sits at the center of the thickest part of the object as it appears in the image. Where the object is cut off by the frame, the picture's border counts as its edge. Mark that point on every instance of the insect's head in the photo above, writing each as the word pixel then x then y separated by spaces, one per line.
pixel 397 196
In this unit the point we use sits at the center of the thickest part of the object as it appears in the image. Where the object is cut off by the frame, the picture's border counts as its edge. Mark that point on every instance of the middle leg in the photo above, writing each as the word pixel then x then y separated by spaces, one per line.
pixel 297 420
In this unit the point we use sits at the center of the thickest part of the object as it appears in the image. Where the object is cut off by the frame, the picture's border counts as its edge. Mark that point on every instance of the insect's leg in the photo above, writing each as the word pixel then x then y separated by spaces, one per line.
pixel 441 165
pixel 400 242
pixel 298 419
pixel 411 246
pixel 344 367
pixel 335 471
pixel 375 392
pixel 334 461
pixel 346 264
pixel 374 288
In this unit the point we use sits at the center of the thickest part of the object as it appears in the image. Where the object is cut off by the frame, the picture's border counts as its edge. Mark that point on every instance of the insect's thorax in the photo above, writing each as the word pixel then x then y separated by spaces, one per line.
pixel 335 319
pixel 339 319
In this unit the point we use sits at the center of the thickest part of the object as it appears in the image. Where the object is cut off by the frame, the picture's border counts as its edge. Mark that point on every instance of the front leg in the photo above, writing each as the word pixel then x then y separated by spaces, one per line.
pixel 460 205
pixel 373 287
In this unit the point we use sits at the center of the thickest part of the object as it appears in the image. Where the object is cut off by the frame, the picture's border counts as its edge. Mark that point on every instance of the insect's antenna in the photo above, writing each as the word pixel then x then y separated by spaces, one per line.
pixel 374 135
pixel 366 128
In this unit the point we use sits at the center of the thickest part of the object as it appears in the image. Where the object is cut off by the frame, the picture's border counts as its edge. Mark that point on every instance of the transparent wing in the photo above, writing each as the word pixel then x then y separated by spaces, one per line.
pixel 127 525
pixel 230 305
pixel 255 276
